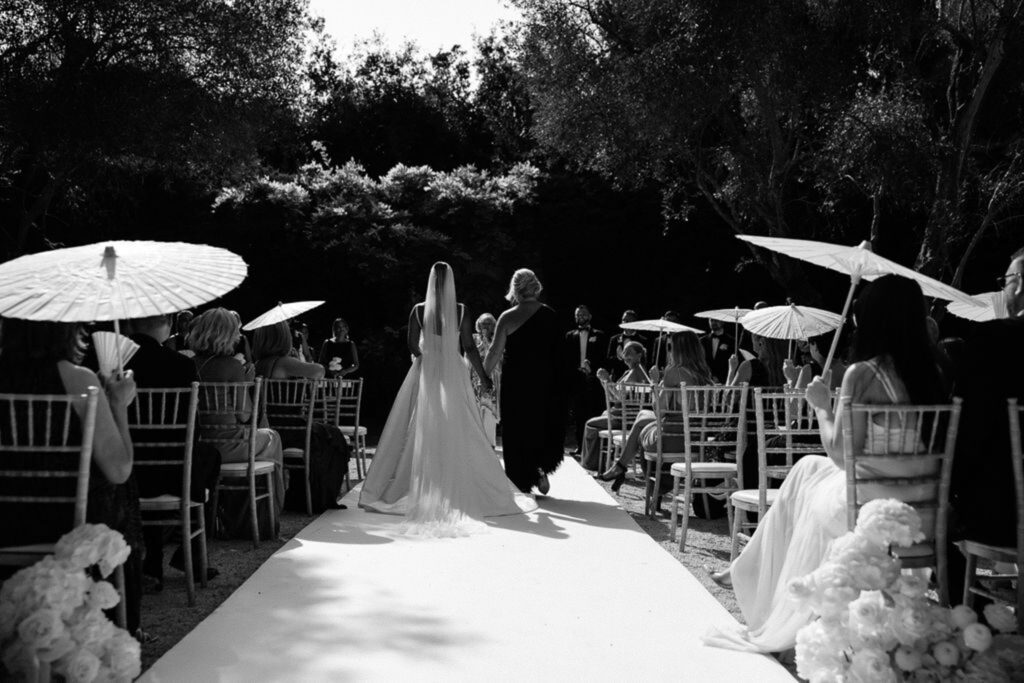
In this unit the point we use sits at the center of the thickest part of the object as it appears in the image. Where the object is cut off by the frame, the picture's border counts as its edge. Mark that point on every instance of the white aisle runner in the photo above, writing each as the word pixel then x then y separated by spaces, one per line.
pixel 573 591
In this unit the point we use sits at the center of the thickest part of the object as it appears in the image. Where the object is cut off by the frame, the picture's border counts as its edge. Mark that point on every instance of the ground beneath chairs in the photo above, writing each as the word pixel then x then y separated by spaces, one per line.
pixel 574 590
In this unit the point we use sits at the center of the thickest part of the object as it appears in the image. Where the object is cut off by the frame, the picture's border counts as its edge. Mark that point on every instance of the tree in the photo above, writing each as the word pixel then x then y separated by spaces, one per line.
pixel 95 93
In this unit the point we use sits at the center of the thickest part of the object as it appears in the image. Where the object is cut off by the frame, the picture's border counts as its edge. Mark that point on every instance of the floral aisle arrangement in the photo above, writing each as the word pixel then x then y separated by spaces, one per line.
pixel 875 623
pixel 51 614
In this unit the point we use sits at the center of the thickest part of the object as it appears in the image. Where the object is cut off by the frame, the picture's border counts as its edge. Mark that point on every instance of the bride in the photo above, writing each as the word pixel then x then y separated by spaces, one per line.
pixel 434 462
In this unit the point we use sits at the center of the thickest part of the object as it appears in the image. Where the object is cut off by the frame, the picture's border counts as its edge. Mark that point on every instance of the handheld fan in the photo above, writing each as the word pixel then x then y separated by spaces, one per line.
pixel 112 351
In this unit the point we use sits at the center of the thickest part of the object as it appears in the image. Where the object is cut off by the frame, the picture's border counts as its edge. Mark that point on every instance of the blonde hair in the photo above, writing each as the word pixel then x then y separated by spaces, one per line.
pixel 214 333
pixel 524 285
pixel 272 341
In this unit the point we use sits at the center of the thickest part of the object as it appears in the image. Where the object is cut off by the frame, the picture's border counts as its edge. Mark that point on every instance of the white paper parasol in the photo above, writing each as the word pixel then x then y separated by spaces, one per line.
pixel 726 315
pixel 661 327
pixel 280 313
pixel 790 322
pixel 988 306
pixel 116 280
pixel 859 263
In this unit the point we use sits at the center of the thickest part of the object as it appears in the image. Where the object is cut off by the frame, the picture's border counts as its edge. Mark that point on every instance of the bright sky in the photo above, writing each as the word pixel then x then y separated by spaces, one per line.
pixel 431 24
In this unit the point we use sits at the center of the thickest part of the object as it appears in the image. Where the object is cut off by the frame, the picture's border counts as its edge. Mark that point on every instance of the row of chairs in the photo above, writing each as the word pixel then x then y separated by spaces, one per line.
pixel 703 432
pixel 163 423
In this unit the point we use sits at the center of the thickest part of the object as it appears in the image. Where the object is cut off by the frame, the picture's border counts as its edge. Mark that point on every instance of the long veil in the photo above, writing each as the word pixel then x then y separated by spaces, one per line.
pixel 456 478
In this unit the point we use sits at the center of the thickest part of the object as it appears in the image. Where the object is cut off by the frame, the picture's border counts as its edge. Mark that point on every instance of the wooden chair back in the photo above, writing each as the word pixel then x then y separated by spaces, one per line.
pixel 908 455
pixel 230 406
pixel 786 425
pixel 339 402
pixel 162 423
pixel 713 419
pixel 1017 453
pixel 289 405
pixel 36 428
pixel 631 398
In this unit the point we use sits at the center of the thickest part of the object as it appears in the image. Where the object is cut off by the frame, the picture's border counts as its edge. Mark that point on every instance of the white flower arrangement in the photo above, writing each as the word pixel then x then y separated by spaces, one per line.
pixel 876 624
pixel 51 614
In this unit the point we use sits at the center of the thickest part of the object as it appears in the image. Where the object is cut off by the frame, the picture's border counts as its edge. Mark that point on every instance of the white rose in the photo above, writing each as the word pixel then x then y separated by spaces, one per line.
pixel 41 629
pixel 907 659
pixel 978 637
pixel 81 666
pixel 1000 617
pixel 92 630
pixel 124 656
pixel 913 585
pixel 871 666
pixel 946 653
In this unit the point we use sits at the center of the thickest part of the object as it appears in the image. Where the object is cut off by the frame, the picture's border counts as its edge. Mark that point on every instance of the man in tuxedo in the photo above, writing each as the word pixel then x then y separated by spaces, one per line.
pixel 584 350
pixel 982 493
pixel 157 366
pixel 718 346
pixel 616 366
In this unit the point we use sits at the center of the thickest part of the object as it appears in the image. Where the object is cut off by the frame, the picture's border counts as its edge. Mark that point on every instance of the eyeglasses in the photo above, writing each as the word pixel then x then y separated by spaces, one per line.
pixel 1003 280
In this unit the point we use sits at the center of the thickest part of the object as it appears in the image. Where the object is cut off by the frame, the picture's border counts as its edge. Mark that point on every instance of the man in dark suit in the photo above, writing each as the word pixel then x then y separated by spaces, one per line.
pixel 584 350
pixel 156 366
pixel 718 346
pixel 982 491
pixel 616 366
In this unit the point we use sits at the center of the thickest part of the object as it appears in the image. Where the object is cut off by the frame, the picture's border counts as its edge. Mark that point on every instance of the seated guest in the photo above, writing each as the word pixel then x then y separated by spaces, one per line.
pixel 765 369
pixel 987 374
pixel 44 358
pixel 329 452
pixel 338 354
pixel 633 355
pixel 242 350
pixel 156 366
pixel 300 342
pixel 487 398
pixel 719 345
pixel 687 365
pixel 895 363
pixel 617 342
pixel 176 342
pixel 214 337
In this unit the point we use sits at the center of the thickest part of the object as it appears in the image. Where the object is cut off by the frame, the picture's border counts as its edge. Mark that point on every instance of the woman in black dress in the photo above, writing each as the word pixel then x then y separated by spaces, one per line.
pixel 338 354
pixel 533 388
pixel 44 358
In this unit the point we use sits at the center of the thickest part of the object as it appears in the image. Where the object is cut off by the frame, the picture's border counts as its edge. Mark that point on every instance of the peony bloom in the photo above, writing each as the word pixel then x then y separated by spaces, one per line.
pixel 1000 617
pixel 910 620
pixel 819 653
pixel 93 544
pixel 887 522
pixel 102 595
pixel 869 617
pixel 91 630
pixel 873 572
pixel 963 616
pixel 913 585
pixel 977 637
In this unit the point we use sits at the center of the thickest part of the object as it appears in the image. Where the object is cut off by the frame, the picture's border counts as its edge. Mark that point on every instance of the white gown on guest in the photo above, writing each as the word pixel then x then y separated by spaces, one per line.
pixel 795 534
pixel 434 462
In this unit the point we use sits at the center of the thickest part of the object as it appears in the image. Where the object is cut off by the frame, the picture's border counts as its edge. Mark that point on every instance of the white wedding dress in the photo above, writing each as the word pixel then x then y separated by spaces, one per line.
pixel 434 462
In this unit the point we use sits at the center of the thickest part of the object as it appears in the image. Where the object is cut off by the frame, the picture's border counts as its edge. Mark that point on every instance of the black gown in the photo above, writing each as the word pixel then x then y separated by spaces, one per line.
pixel 533 399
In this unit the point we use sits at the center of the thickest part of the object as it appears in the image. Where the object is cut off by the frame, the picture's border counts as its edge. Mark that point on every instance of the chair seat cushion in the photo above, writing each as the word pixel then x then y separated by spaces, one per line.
pixel 349 430
pixel 994 552
pixel 293 453
pixel 750 498
pixel 917 550
pixel 37 549
pixel 704 468
pixel 613 433
pixel 239 469
pixel 666 458
pixel 164 502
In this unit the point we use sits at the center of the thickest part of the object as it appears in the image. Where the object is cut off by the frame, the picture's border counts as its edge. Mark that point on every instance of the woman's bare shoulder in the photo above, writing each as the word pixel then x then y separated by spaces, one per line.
pixel 76 378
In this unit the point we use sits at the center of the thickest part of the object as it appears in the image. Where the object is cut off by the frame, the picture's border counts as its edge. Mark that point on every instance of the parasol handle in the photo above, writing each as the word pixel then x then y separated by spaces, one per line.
pixel 657 348
pixel 854 281
pixel 117 340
